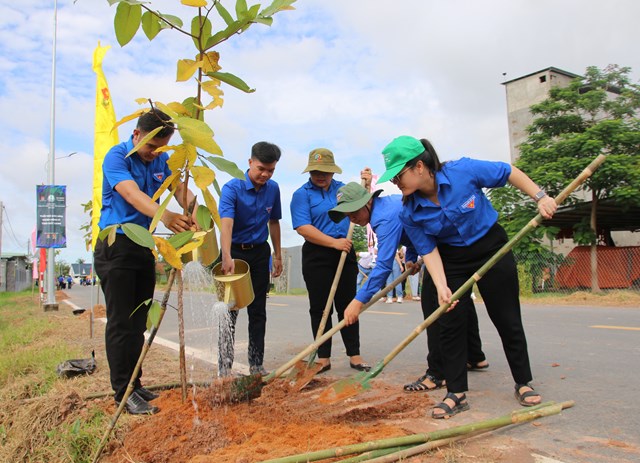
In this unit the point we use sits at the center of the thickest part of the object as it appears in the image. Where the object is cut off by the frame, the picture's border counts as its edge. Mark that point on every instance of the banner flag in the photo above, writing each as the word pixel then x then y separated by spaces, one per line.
pixel 105 137
pixel 51 214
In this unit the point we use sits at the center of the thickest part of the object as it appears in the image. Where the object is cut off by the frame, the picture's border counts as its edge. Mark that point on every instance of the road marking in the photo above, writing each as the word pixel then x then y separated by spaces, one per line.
pixel 277 304
pixel 386 313
pixel 608 327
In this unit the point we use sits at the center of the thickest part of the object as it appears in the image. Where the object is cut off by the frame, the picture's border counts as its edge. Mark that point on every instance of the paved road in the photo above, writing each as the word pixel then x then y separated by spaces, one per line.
pixel 587 354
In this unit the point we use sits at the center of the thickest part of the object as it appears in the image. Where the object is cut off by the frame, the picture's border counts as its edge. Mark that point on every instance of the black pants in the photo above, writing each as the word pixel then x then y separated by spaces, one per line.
pixel 319 265
pixel 500 291
pixel 127 275
pixel 258 260
pixel 429 299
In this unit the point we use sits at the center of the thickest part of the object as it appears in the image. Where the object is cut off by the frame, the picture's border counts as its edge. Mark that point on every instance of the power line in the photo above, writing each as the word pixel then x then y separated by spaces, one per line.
pixel 13 235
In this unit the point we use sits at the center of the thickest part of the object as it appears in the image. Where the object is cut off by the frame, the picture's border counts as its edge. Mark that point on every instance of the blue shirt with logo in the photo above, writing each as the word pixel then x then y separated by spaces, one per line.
pixel 464 214
pixel 116 168
pixel 390 234
pixel 310 204
pixel 250 209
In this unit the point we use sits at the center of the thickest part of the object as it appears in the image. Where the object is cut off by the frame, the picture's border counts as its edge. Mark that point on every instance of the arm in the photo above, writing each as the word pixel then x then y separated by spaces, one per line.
pixel 129 190
pixel 546 206
pixel 226 229
pixel 433 262
pixel 315 236
pixel 274 231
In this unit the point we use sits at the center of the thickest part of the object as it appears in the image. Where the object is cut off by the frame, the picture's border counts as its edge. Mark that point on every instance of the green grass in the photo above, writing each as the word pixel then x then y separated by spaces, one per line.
pixel 25 348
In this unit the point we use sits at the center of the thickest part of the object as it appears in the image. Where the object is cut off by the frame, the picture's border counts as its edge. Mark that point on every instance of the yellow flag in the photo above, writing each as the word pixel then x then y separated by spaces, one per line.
pixel 105 136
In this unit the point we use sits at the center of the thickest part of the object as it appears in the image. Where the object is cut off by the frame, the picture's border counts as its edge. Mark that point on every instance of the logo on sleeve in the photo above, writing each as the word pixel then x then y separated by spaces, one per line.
pixel 269 210
pixel 158 176
pixel 470 203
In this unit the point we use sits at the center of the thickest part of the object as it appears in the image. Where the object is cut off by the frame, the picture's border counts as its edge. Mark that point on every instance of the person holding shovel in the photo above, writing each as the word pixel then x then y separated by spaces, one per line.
pixel 382 213
pixel 325 241
pixel 454 227
pixel 126 269
pixel 250 212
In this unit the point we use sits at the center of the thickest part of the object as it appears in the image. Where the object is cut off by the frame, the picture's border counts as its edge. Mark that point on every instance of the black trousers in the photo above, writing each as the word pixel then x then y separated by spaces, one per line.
pixel 429 299
pixel 319 265
pixel 258 260
pixel 500 291
pixel 127 275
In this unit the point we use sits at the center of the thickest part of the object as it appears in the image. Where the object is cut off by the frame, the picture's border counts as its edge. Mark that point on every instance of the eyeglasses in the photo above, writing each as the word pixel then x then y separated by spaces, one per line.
pixel 396 179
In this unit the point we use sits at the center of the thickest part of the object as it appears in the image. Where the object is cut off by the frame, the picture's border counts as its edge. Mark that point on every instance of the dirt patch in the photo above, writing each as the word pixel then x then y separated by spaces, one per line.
pixel 580 298
pixel 278 423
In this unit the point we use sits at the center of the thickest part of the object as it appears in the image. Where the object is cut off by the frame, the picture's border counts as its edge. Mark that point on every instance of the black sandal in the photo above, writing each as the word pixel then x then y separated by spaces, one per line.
pixel 522 396
pixel 459 406
pixel 419 386
pixel 476 366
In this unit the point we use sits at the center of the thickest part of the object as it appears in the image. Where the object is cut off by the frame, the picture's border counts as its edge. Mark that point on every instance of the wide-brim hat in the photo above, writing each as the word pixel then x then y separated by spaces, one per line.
pixel 321 159
pixel 397 153
pixel 351 197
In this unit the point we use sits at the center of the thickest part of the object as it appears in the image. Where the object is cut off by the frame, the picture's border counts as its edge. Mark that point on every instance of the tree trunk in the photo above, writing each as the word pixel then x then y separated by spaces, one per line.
pixel 595 287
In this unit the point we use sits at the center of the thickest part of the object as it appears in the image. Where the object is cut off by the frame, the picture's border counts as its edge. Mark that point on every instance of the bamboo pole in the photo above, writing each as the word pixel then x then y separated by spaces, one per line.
pixel 516 417
pixel 318 342
pixel 375 454
pixel 154 387
pixel 136 370
pixel 340 389
pixel 400 453
pixel 181 348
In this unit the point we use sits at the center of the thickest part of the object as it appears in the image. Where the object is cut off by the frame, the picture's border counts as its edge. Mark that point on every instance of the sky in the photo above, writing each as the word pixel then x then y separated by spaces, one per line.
pixel 344 75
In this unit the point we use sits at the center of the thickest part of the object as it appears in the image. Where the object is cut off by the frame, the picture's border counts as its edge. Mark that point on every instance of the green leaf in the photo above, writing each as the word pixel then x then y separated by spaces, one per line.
pixel 223 35
pixel 251 14
pixel 126 22
pixel 201 31
pixel 241 8
pixel 232 80
pixel 190 104
pixel 144 140
pixel 154 315
pixel 198 133
pixel 277 5
pixel 142 304
pixel 159 212
pixel 180 239
pixel 224 14
pixel 203 217
pixel 150 25
pixel 227 166
pixel 139 235
pixel 173 20
pixel 267 21
pixel 105 232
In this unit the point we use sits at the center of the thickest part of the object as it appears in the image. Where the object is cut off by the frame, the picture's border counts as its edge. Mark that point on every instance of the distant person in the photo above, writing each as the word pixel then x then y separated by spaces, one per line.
pixel 126 269
pixel 366 262
pixel 250 212
pixel 454 227
pixel 324 243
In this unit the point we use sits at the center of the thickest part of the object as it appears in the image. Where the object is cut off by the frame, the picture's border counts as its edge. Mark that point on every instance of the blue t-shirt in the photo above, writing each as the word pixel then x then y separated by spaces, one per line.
pixel 389 232
pixel 310 204
pixel 250 210
pixel 117 168
pixel 464 215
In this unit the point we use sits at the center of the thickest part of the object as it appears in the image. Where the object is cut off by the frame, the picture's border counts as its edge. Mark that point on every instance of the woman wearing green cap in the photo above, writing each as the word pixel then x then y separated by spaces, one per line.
pixel 324 243
pixel 454 227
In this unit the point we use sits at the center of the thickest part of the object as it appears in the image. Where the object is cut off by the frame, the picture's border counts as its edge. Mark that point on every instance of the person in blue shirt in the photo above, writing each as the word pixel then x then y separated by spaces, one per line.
pixel 454 227
pixel 382 213
pixel 324 243
pixel 250 212
pixel 127 270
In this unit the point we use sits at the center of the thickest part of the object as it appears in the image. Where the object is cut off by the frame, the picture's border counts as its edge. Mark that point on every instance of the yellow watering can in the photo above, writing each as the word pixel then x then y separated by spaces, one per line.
pixel 234 289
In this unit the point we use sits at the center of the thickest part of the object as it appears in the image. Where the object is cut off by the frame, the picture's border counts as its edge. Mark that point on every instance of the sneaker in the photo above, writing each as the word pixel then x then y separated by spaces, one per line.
pixel 383 299
pixel 389 301
pixel 400 300
pixel 136 405
pixel 258 370
pixel 146 394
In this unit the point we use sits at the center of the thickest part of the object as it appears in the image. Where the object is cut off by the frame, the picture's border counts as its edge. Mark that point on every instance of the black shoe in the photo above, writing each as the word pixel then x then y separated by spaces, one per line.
pixel 146 394
pixel 136 405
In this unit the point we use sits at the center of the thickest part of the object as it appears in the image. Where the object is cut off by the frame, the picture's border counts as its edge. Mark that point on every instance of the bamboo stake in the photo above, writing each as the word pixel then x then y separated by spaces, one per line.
pixel 375 454
pixel 399 453
pixel 181 348
pixel 352 386
pixel 154 387
pixel 136 370
pixel 516 417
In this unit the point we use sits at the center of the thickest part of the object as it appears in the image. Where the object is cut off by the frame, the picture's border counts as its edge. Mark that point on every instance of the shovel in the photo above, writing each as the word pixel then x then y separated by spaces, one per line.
pixel 350 387
pixel 303 372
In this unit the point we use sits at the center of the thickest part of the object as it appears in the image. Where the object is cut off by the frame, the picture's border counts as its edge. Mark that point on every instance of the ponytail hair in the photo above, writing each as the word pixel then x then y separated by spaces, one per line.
pixel 429 157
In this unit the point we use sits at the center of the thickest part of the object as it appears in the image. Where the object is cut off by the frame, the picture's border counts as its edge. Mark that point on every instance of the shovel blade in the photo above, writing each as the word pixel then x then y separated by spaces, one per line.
pixel 302 374
pixel 345 388
pixel 241 389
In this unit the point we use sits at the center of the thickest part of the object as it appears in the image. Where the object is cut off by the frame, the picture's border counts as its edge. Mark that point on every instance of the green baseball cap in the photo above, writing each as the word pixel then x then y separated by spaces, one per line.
pixel 321 159
pixel 351 197
pixel 397 153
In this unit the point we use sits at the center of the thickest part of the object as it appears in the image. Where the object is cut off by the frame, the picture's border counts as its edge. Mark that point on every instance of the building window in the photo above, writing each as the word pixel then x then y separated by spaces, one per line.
pixel 543 79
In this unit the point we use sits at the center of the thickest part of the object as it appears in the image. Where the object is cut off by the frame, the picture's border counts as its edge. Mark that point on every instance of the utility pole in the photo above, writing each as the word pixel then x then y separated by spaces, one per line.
pixel 51 303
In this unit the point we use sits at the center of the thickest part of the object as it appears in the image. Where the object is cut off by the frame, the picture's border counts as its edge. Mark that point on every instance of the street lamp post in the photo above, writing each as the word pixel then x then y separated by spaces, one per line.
pixel 51 303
